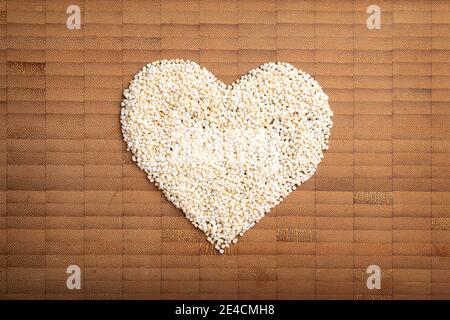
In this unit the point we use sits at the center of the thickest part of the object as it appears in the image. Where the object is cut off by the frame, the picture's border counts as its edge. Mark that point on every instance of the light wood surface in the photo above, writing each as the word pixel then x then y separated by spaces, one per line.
pixel 71 195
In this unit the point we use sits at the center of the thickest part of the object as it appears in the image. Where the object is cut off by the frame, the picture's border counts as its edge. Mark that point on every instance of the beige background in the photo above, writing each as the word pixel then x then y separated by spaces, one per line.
pixel 70 195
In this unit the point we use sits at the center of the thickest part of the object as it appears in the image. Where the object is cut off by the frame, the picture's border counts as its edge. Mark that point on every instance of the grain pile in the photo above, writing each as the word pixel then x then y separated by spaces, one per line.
pixel 225 155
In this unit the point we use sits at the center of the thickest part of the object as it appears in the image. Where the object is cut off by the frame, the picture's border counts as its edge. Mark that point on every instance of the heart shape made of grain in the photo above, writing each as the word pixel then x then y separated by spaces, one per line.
pixel 225 155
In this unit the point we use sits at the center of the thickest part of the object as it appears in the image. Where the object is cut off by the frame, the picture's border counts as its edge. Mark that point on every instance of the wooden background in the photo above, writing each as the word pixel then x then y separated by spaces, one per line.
pixel 70 194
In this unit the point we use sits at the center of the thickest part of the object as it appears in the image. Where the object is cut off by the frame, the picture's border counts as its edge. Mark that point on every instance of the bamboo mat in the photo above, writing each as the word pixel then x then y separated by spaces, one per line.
pixel 71 195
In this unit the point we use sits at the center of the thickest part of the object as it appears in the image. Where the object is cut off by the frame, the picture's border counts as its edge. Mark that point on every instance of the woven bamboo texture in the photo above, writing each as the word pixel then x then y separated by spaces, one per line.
pixel 71 195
